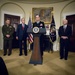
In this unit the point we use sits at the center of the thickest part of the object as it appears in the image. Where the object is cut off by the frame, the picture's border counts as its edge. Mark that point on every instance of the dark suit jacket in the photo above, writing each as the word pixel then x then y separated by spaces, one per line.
pixel 67 32
pixel 20 33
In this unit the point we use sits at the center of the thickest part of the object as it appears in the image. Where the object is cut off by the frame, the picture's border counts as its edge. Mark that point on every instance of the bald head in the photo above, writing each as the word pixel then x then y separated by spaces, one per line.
pixel 65 22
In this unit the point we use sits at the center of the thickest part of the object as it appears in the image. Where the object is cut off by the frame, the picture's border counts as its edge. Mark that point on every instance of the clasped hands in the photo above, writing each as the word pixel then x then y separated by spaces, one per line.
pixel 64 37
pixel 7 35
pixel 17 38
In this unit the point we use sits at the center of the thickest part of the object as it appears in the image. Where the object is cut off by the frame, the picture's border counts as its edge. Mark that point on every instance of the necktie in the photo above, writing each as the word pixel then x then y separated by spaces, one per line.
pixel 65 27
pixel 23 26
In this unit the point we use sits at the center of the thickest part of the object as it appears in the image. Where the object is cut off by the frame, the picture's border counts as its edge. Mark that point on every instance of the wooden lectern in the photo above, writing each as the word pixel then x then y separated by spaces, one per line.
pixel 36 56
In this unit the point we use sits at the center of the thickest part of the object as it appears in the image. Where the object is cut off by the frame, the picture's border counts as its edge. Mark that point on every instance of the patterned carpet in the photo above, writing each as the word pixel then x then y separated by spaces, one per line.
pixel 52 65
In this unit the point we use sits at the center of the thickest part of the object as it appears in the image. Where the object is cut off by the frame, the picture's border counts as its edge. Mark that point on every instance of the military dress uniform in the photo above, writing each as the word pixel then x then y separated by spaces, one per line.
pixel 7 42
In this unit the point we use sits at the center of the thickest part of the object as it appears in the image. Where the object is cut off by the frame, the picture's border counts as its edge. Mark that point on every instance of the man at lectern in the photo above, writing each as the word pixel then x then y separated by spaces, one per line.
pixel 40 24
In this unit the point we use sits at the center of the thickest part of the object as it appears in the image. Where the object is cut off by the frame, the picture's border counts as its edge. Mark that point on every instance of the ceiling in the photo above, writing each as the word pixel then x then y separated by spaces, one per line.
pixel 38 1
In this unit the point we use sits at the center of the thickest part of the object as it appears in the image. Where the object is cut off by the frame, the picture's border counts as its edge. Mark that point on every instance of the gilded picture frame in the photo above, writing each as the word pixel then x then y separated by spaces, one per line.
pixel 45 14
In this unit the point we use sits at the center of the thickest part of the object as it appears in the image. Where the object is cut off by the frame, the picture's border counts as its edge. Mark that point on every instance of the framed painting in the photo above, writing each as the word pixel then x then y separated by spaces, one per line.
pixel 45 14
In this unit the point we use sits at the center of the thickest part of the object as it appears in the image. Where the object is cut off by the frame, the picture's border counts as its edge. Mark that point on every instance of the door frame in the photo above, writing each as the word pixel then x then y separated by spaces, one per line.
pixel 2 22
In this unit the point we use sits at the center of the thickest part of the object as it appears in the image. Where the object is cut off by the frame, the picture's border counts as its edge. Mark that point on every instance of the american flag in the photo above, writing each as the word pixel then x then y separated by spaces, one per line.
pixel 53 29
pixel 30 39
pixel 52 22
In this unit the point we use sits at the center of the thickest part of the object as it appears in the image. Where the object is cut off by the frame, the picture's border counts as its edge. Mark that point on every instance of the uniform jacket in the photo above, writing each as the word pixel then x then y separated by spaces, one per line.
pixel 40 24
pixel 8 30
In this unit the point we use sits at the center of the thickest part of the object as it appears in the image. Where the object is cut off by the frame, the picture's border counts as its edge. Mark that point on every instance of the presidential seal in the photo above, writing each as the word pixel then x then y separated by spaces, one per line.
pixel 35 29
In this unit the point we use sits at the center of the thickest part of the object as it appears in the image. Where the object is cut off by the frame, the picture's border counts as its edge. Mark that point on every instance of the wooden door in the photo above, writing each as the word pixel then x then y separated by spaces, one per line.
pixel 71 22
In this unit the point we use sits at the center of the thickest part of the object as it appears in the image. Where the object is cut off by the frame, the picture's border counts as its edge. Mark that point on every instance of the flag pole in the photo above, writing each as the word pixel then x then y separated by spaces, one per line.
pixel 28 42
pixel 30 15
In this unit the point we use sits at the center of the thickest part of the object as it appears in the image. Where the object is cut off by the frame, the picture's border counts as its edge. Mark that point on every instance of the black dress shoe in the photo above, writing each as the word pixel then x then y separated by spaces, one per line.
pixel 61 58
pixel 9 54
pixel 65 58
pixel 20 54
pixel 25 54
pixel 4 54
pixel 35 64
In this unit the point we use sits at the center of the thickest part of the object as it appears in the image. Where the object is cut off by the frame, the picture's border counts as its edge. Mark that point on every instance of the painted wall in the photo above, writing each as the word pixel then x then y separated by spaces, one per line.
pixel 68 10
pixel 25 10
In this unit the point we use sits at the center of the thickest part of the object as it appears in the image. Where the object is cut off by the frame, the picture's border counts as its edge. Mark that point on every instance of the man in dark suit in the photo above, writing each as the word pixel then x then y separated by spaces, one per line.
pixel 65 32
pixel 7 31
pixel 21 35
pixel 40 24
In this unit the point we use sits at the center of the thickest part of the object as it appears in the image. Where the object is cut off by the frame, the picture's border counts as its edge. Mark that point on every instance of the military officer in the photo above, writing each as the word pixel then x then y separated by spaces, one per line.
pixel 7 31
pixel 40 24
